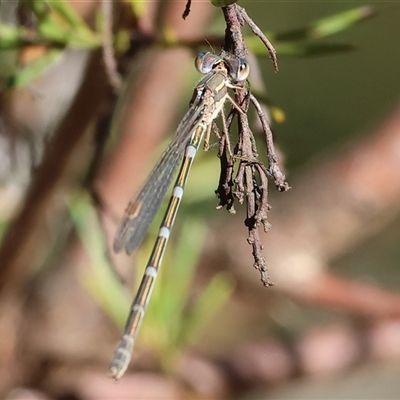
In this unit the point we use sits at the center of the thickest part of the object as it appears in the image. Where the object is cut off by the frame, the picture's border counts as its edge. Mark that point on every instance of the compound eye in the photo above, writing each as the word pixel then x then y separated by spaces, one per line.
pixel 243 70
pixel 199 61
pixel 205 62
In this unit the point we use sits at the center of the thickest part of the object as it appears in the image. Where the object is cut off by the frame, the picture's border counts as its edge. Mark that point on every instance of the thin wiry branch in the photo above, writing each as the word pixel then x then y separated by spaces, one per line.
pixel 108 49
pixel 259 33
pixel 251 181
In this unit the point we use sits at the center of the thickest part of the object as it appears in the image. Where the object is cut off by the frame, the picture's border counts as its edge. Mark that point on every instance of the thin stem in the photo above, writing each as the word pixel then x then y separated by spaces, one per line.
pixel 274 169
pixel 259 33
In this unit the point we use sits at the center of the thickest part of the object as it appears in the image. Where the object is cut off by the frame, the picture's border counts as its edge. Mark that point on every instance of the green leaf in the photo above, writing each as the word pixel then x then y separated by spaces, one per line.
pixel 222 3
pixel 77 32
pixel 99 280
pixel 186 256
pixel 10 36
pixel 213 297
pixel 48 28
pixel 58 22
pixel 298 49
pixel 26 74
pixel 340 22
pixel 328 26
pixel 166 310
pixel 138 7
pixel 68 14
pixel 312 49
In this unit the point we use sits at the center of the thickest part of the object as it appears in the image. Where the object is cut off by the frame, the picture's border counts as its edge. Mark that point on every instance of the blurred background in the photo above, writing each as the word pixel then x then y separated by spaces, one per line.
pixel 91 92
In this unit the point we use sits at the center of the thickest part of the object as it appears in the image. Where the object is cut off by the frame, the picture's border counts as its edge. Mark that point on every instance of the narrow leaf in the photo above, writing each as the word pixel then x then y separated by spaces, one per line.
pixel 328 26
pixel 211 300
pixel 10 36
pixel 99 280
pixel 222 3
pixel 138 7
pixel 312 49
pixel 25 75
pixel 298 49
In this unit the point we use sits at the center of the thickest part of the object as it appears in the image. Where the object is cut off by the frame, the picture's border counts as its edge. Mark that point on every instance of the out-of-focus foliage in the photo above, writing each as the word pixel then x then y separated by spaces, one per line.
pixel 100 282
pixel 60 27
pixel 301 42
pixel 222 3
pixel 168 326
pixel 171 323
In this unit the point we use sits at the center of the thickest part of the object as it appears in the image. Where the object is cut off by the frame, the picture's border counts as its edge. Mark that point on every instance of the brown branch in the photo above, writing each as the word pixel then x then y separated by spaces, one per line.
pixel 250 168
pixel 259 33
pixel 108 50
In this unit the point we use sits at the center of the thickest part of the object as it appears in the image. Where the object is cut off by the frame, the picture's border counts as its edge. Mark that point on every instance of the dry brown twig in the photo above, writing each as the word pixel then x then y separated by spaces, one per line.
pixel 335 204
pixel 251 181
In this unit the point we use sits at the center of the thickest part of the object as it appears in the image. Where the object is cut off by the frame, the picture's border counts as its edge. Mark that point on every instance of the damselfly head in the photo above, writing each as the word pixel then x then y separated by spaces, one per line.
pixel 239 69
pixel 205 61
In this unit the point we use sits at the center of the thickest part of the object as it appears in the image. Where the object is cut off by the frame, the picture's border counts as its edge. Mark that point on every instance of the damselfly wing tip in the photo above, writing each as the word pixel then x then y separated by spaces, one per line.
pixel 119 241
pixel 121 245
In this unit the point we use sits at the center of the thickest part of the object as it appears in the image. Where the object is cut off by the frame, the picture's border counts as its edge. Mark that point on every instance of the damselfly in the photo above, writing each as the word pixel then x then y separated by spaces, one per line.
pixel 221 73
